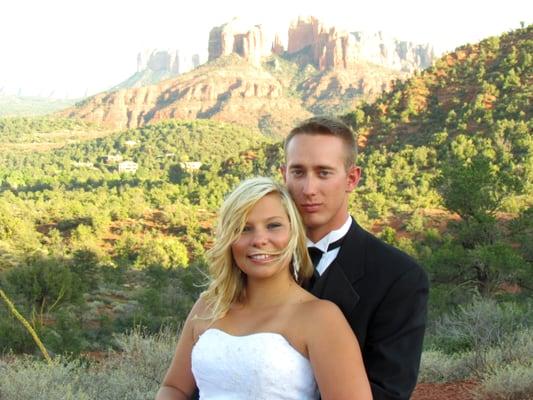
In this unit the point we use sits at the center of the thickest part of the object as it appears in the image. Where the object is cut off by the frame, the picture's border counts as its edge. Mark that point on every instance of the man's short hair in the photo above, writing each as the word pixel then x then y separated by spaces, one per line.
pixel 327 126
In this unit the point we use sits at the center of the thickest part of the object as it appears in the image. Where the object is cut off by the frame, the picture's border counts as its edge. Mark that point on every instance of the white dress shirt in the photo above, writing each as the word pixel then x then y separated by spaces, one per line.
pixel 322 244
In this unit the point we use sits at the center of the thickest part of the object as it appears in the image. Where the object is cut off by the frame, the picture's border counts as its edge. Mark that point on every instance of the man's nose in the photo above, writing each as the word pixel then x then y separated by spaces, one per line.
pixel 309 186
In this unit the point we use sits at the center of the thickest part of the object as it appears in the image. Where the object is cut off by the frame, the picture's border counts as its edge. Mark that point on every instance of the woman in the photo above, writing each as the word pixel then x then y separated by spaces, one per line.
pixel 255 333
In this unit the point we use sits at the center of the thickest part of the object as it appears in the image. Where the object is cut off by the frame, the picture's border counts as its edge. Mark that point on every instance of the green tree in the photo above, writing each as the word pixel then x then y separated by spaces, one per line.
pixel 162 251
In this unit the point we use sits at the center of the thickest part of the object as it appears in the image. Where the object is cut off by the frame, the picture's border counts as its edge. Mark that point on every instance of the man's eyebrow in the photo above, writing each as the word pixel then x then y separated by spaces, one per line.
pixel 315 167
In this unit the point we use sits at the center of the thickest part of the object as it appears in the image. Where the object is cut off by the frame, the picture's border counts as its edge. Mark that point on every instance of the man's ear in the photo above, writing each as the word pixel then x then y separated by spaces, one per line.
pixel 283 170
pixel 353 176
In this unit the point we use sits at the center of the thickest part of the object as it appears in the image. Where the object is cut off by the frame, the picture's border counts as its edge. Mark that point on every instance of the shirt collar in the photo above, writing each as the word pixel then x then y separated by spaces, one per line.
pixel 331 237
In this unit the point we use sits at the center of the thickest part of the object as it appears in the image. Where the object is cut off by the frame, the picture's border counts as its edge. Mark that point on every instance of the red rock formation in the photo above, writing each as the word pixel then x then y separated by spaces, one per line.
pixel 277 46
pixel 238 93
pixel 236 37
pixel 330 48
pixel 171 61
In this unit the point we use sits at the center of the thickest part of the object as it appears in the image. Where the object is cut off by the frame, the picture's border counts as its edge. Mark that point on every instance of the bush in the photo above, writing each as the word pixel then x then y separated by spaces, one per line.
pixel 13 336
pixel 46 283
pixel 481 325
pixel 437 366
pixel 509 382
pixel 479 338
pixel 134 374
pixel 166 252
pixel 29 379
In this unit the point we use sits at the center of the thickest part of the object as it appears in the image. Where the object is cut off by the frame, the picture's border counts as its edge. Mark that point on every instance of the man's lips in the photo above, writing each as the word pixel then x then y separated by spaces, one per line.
pixel 310 207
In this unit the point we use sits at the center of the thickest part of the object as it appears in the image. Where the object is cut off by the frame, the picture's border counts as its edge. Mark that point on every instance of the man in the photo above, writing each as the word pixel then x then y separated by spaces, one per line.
pixel 381 291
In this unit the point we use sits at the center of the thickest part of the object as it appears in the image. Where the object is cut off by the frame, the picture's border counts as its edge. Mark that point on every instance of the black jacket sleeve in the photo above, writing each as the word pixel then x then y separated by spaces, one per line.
pixel 394 344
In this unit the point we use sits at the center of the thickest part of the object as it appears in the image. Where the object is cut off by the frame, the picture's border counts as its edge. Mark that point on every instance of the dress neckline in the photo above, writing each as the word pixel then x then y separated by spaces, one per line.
pixel 252 335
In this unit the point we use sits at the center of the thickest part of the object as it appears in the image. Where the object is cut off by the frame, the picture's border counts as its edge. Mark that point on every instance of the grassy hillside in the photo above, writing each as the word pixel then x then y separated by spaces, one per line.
pixel 478 90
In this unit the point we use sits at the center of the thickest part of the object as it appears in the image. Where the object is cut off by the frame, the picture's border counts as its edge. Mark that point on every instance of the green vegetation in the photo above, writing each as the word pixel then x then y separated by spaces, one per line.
pixel 132 373
pixel 488 341
pixel 470 117
pixel 88 252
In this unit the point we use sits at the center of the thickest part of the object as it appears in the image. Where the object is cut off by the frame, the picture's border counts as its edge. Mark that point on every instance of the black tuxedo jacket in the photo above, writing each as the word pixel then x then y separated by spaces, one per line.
pixel 383 294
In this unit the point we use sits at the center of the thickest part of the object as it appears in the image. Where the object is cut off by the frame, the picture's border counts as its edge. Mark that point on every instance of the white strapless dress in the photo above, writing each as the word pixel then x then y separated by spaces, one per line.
pixel 259 366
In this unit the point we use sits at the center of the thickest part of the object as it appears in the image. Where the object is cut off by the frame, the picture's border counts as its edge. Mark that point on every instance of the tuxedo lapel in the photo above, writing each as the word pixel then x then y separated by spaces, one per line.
pixel 352 254
pixel 336 284
pixel 333 285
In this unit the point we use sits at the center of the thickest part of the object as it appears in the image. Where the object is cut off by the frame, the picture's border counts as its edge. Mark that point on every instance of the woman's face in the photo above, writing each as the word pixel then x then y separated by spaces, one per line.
pixel 265 236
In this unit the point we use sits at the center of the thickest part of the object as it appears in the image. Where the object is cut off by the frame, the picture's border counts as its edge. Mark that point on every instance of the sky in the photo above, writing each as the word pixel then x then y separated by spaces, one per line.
pixel 72 48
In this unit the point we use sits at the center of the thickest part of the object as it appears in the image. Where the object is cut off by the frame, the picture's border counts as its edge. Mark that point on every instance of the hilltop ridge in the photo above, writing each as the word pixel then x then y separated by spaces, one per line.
pixel 257 83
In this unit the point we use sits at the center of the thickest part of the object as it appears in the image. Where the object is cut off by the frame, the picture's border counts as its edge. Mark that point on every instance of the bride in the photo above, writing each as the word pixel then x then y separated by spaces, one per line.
pixel 255 333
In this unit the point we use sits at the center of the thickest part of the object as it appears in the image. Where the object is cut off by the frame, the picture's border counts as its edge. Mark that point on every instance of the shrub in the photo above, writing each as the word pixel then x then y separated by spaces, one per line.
pixel 45 282
pixel 482 324
pixel 484 336
pixel 162 251
pixel 437 366
pixel 508 382
pixel 29 379
pixel 134 374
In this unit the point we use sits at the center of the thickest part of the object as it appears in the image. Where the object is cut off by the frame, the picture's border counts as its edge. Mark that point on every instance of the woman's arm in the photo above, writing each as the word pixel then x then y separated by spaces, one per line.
pixel 335 354
pixel 179 383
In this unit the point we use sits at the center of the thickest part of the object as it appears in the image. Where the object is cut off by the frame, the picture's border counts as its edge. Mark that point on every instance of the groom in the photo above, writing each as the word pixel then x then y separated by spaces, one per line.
pixel 381 291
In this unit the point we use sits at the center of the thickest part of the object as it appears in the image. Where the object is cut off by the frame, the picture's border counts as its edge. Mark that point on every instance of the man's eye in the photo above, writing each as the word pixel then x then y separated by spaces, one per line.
pixel 296 172
pixel 324 173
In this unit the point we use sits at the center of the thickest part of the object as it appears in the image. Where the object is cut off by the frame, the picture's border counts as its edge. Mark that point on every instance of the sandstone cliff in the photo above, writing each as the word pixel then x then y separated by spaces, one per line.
pixel 233 92
pixel 255 83
pixel 330 48
pixel 338 90
pixel 154 66
pixel 239 38
pixel 173 61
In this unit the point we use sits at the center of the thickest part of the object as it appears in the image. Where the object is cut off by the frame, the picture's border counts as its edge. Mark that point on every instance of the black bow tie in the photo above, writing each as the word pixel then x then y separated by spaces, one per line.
pixel 316 254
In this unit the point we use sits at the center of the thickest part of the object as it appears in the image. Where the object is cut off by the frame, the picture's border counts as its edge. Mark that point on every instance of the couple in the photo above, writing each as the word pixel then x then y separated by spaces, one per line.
pixel 256 334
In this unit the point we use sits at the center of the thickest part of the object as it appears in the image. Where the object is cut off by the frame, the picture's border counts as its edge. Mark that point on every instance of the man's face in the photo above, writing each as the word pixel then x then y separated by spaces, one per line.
pixel 316 177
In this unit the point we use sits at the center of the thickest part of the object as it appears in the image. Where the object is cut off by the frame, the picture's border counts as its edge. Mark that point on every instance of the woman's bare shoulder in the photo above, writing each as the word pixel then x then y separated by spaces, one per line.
pixel 315 310
pixel 199 318
pixel 321 307
pixel 199 309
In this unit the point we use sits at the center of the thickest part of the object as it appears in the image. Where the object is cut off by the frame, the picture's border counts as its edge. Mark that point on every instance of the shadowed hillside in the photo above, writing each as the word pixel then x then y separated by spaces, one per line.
pixel 474 90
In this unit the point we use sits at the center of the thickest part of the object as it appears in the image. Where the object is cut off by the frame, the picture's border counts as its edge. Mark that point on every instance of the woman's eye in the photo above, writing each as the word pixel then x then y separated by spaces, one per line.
pixel 247 229
pixel 274 225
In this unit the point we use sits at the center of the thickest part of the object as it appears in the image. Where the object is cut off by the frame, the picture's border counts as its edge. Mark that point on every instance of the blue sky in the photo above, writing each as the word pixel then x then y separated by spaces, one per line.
pixel 72 47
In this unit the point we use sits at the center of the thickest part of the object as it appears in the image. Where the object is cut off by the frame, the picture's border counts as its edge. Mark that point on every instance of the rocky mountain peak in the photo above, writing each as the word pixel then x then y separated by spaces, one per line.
pixel 332 48
pixel 171 61
pixel 236 36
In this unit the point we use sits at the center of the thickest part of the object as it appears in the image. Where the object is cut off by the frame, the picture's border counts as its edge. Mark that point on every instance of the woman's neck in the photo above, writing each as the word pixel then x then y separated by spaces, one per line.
pixel 264 293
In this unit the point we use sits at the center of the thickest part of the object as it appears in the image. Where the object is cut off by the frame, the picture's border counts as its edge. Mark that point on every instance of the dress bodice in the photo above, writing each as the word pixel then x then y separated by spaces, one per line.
pixel 256 366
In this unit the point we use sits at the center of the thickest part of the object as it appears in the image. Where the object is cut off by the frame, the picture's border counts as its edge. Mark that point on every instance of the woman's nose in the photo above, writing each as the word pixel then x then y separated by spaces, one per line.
pixel 259 238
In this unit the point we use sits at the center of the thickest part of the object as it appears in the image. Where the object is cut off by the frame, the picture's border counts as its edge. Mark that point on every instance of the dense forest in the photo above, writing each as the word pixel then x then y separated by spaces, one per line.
pixel 90 249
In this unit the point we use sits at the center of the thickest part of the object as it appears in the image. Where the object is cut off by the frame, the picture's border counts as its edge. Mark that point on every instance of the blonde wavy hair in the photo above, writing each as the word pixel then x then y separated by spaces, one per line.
pixel 227 282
